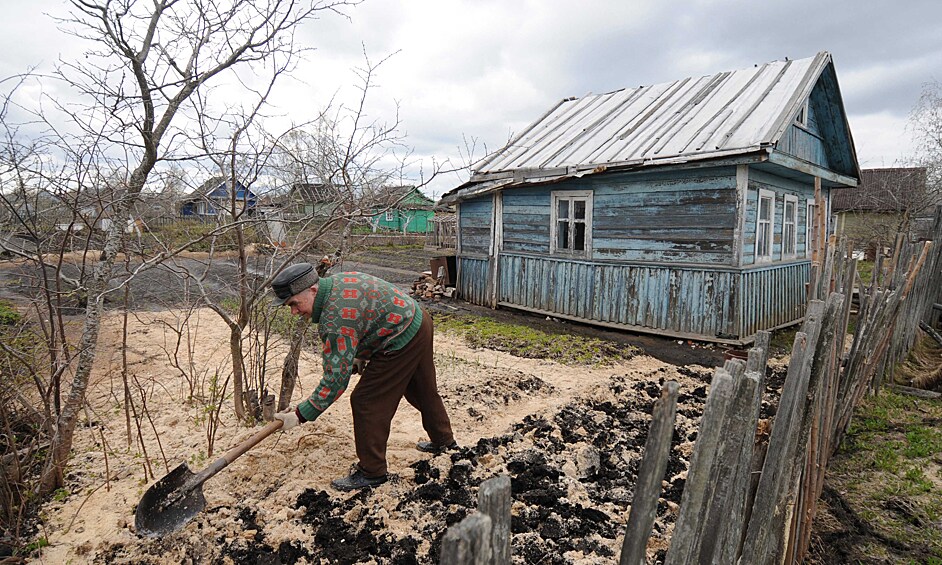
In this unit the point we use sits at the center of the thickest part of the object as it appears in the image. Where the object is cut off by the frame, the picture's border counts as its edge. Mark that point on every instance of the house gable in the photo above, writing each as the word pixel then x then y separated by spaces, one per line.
pixel 823 137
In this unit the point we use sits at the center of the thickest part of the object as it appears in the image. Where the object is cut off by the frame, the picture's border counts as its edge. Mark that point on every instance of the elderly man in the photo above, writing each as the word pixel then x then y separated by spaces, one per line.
pixel 363 318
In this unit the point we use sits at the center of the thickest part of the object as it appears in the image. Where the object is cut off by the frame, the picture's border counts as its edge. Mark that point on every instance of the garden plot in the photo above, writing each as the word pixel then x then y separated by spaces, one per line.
pixel 570 437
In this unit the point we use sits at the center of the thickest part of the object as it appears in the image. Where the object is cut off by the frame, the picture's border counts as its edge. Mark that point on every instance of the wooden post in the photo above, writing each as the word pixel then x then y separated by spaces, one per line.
pixel 468 542
pixel 809 429
pixel 685 542
pixel 756 363
pixel 723 525
pixel 494 502
pixel 773 508
pixel 650 475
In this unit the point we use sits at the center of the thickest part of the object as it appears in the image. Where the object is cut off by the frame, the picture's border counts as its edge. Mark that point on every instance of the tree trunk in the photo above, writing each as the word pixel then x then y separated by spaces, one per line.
pixel 238 388
pixel 61 444
pixel 289 371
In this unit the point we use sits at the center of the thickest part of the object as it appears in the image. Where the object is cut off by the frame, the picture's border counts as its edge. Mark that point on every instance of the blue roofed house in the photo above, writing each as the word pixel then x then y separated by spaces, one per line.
pixel 684 209
pixel 212 199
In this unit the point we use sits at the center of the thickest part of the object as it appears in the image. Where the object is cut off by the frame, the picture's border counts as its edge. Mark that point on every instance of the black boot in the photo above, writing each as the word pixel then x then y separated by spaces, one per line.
pixel 358 480
pixel 430 447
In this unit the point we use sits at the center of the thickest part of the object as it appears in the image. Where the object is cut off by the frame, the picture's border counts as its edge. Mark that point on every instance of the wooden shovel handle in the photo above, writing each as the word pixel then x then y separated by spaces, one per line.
pixel 248 444
pixel 233 454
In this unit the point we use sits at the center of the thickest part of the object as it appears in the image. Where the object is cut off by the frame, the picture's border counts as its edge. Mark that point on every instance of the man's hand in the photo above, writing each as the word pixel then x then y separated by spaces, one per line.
pixel 359 365
pixel 289 418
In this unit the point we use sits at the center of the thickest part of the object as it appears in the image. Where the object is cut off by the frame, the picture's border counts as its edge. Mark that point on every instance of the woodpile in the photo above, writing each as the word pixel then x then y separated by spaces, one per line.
pixel 429 288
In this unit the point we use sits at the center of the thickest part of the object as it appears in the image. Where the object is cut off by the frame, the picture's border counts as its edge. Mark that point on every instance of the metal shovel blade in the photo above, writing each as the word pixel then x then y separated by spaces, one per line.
pixel 178 496
pixel 169 503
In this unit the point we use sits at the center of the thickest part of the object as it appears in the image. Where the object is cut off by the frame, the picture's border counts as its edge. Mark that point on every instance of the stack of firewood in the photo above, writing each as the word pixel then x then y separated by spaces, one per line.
pixel 429 288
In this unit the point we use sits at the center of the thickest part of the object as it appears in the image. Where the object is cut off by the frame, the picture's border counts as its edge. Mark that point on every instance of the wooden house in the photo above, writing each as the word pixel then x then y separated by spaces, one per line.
pixel 311 200
pixel 212 199
pixel 887 201
pixel 402 209
pixel 685 209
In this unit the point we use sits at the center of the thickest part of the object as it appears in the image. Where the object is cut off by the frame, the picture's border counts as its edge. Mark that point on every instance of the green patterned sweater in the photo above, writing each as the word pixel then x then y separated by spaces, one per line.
pixel 358 315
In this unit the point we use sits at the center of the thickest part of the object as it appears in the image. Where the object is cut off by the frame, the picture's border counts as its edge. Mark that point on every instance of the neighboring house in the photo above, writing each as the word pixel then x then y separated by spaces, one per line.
pixel 311 200
pixel 402 209
pixel 887 201
pixel 684 209
pixel 212 199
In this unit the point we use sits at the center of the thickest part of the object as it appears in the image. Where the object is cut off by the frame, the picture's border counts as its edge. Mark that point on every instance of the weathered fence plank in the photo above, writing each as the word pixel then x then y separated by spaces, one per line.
pixel 810 428
pixel 774 503
pixel 650 475
pixel 468 542
pixel 685 542
pixel 494 501
pixel 733 475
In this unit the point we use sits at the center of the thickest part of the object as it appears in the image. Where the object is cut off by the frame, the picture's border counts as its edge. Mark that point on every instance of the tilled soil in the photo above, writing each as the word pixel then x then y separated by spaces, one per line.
pixel 570 438
pixel 572 479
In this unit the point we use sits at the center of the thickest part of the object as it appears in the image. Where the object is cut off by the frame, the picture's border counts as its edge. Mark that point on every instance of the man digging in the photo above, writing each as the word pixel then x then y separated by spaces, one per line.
pixel 369 326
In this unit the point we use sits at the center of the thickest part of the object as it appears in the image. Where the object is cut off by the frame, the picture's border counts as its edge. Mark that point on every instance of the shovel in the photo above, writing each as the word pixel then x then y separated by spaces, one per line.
pixel 177 497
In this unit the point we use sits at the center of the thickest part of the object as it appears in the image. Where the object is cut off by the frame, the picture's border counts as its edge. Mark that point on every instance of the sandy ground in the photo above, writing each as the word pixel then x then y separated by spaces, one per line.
pixel 94 520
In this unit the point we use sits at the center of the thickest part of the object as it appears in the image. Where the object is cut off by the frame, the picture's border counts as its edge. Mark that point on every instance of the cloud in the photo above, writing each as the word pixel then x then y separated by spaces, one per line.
pixel 485 69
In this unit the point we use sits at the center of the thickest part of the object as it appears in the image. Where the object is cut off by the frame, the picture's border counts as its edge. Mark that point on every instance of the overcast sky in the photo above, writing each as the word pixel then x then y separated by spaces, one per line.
pixel 483 70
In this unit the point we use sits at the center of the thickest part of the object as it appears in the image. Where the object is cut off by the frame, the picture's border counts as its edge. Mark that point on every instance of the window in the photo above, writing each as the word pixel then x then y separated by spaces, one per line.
pixel 811 230
pixel 390 215
pixel 572 223
pixel 790 226
pixel 802 117
pixel 764 223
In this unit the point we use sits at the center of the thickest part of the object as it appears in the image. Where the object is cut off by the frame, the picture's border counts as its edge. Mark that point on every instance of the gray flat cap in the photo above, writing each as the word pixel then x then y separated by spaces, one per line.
pixel 293 280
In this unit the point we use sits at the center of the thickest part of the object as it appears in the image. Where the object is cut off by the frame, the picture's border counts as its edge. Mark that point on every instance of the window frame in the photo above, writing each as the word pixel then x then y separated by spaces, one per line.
pixel 390 216
pixel 571 196
pixel 801 118
pixel 794 222
pixel 810 206
pixel 766 257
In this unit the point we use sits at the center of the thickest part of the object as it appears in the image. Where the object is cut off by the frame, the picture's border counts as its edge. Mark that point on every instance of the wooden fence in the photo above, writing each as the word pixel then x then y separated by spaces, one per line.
pixel 745 502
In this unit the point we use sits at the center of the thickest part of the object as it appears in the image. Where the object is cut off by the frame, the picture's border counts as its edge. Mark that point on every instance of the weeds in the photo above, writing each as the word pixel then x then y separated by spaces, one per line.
pixel 891 453
pixel 527 342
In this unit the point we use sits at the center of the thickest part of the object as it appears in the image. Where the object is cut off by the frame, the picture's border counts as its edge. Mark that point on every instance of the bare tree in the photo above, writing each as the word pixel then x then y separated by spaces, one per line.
pixel 926 121
pixel 146 61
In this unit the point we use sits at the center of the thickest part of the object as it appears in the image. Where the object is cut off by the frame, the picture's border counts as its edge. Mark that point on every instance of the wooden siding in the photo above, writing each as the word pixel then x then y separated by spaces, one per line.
pixel 526 219
pixel 773 296
pixel 824 140
pixel 474 227
pixel 678 216
pixel 804 144
pixel 710 304
pixel 677 300
pixel 472 280
pixel 780 186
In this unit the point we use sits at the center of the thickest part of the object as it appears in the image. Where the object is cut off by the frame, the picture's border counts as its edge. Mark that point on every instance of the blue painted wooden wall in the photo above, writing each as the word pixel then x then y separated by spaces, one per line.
pixel 780 186
pixel 663 257
pixel 474 225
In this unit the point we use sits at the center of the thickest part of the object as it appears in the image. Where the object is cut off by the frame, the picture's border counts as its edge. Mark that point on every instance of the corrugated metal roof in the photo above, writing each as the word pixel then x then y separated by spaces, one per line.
pixel 884 190
pixel 714 115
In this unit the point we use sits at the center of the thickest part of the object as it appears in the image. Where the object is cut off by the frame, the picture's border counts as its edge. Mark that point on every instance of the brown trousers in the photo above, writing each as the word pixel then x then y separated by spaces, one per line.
pixel 408 372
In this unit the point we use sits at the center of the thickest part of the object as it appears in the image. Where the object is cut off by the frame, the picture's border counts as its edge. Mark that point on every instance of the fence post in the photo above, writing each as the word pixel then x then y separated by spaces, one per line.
pixel 650 474
pixel 725 518
pixel 774 504
pixel 468 542
pixel 810 428
pixel 685 542
pixel 494 502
